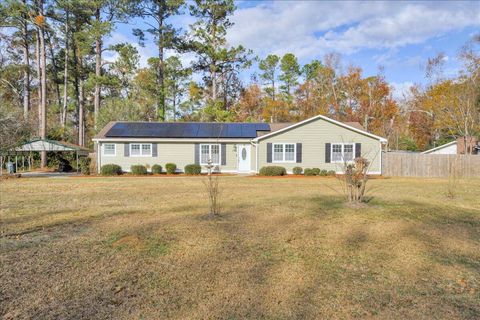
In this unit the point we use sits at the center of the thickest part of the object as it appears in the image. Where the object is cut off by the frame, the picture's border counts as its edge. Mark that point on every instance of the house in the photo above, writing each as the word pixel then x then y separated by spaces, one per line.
pixel 456 147
pixel 318 142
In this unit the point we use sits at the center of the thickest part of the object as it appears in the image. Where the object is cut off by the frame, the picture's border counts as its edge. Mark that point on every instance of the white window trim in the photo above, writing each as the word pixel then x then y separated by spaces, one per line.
pixel 343 147
pixel 284 152
pixel 114 150
pixel 210 153
pixel 141 146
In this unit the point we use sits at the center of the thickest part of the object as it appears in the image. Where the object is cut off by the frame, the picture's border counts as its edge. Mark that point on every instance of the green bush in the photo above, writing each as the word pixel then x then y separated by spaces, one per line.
pixel 323 173
pixel 138 169
pixel 156 169
pixel 297 170
pixel 110 170
pixel 316 171
pixel 331 173
pixel 171 168
pixel 309 172
pixel 84 164
pixel 193 169
pixel 273 171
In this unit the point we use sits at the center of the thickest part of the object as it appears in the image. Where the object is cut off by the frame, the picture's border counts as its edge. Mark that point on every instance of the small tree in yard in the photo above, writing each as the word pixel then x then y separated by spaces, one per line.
pixel 212 187
pixel 354 180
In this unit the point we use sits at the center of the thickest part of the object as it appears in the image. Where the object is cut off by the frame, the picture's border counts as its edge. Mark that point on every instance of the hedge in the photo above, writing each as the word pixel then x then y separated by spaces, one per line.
pixel 297 170
pixel 273 171
pixel 331 173
pixel 193 169
pixel 309 172
pixel 138 169
pixel 316 171
pixel 84 164
pixel 156 169
pixel 110 170
pixel 171 168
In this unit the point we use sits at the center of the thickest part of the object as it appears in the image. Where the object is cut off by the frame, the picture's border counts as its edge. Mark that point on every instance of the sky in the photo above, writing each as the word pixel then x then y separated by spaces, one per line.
pixel 398 36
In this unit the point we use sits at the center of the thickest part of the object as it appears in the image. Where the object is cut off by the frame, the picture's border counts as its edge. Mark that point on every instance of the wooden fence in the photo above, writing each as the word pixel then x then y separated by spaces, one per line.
pixel 432 165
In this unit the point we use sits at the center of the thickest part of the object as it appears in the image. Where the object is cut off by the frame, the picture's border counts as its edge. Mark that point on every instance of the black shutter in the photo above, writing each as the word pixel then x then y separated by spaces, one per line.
pixel 154 150
pixel 126 150
pixel 197 153
pixel 269 153
pixel 328 150
pixel 358 150
pixel 299 153
pixel 224 154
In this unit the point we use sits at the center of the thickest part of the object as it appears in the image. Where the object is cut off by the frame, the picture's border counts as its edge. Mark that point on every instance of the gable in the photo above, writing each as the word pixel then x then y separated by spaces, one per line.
pixel 322 126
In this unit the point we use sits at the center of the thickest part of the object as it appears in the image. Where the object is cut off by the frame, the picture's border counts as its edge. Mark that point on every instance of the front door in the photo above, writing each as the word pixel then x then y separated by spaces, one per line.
pixel 243 152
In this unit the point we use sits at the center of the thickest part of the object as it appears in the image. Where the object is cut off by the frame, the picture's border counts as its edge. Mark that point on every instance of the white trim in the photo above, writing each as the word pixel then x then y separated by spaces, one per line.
pixel 210 153
pixel 341 124
pixel 343 146
pixel 114 150
pixel 284 152
pixel 141 150
pixel 209 140
pixel 439 147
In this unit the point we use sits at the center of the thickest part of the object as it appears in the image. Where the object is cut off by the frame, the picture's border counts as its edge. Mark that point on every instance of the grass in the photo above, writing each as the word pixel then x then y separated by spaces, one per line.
pixel 144 248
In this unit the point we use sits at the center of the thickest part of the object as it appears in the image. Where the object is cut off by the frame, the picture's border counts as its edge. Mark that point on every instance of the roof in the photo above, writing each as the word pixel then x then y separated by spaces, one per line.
pixel 50 145
pixel 440 147
pixel 183 130
pixel 217 130
pixel 352 126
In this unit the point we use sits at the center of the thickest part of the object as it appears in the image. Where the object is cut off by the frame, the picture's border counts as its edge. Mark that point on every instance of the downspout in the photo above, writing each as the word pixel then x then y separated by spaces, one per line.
pixel 255 145
pixel 98 156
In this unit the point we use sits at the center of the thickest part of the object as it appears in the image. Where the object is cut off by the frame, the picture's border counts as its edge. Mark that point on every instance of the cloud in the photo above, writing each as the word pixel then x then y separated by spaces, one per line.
pixel 314 28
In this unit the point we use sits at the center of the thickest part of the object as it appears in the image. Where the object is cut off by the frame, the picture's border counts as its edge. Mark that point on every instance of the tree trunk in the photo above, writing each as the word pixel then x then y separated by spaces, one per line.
pixel 43 82
pixel 65 76
pixel 160 68
pixel 55 70
pixel 81 104
pixel 26 71
pixel 39 89
pixel 98 73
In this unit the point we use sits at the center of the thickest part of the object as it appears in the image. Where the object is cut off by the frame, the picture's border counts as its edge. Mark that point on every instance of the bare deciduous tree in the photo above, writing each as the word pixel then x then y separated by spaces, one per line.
pixel 212 187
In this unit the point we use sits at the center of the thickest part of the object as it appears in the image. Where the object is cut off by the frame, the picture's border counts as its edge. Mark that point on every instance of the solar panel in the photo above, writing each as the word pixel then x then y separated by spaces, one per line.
pixel 186 130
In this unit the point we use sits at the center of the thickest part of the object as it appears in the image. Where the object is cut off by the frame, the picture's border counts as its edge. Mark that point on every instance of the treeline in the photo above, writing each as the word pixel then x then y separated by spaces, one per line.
pixel 54 74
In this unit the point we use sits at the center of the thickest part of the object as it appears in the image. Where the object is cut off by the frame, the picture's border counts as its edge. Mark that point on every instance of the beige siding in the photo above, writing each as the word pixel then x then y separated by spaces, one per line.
pixel 176 152
pixel 313 136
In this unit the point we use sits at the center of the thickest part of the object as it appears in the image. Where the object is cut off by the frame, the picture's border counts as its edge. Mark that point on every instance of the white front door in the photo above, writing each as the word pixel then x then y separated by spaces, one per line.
pixel 243 154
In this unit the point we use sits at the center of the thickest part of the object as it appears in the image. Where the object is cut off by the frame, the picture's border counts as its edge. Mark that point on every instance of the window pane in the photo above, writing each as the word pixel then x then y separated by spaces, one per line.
pixel 109 149
pixel 146 150
pixel 134 149
pixel 204 153
pixel 290 152
pixel 215 153
pixel 278 152
pixel 337 152
pixel 348 152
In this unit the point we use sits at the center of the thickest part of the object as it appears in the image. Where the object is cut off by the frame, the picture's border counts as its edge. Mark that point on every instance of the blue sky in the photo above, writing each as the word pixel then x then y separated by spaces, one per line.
pixel 397 35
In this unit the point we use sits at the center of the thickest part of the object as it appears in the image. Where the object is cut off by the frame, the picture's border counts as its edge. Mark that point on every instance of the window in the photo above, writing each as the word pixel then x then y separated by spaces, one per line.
pixel 342 152
pixel 284 152
pixel 109 149
pixel 140 149
pixel 278 152
pixel 210 152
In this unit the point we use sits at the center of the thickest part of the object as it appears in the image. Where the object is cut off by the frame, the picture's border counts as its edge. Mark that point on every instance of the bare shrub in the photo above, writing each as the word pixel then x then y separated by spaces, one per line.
pixel 354 180
pixel 452 183
pixel 212 187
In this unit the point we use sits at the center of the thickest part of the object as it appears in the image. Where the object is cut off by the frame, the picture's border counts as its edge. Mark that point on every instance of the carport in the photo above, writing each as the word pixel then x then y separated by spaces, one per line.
pixel 24 151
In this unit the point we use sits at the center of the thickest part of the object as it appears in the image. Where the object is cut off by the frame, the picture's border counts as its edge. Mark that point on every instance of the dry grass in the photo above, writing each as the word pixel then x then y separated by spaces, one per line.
pixel 142 248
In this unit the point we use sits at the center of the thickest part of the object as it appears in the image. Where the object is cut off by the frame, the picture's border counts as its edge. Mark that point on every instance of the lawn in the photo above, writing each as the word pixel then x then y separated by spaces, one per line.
pixel 289 248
